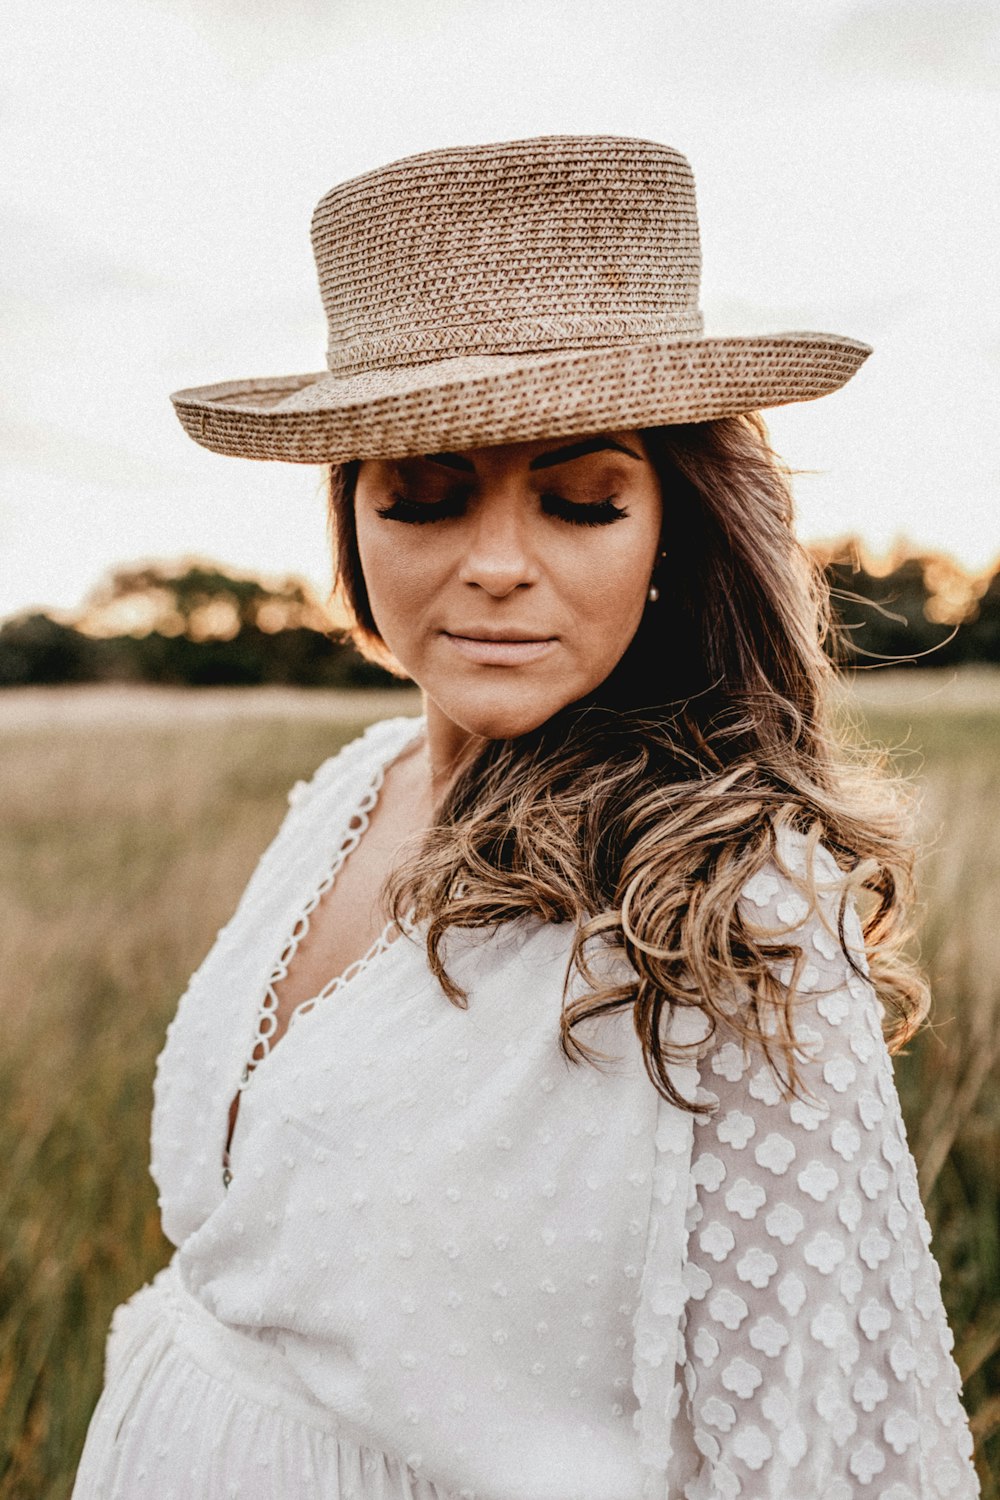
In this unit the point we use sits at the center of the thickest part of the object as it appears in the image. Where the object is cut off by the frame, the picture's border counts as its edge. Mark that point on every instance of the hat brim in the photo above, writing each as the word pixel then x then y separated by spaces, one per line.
pixel 478 401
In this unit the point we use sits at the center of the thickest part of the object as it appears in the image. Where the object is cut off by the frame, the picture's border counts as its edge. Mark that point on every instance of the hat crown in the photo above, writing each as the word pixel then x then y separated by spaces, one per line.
pixel 557 242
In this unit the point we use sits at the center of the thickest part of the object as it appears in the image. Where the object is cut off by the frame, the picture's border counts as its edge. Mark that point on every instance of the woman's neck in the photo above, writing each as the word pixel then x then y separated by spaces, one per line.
pixel 448 746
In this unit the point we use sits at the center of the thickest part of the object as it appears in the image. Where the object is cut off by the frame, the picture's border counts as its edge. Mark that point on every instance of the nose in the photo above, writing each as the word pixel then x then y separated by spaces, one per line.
pixel 500 556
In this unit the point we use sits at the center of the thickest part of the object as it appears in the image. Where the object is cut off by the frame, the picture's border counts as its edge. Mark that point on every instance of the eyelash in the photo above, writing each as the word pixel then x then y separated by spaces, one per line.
pixel 419 513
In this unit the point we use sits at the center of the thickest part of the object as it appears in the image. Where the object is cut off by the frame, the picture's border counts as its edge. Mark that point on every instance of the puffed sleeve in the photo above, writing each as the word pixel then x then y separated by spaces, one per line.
pixel 814 1354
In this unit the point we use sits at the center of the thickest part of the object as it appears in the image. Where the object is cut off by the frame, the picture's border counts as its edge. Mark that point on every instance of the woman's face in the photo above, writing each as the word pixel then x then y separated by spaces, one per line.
pixel 509 581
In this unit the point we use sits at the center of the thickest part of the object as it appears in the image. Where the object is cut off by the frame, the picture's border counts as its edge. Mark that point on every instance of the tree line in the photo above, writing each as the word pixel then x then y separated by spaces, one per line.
pixel 199 624
pixel 190 625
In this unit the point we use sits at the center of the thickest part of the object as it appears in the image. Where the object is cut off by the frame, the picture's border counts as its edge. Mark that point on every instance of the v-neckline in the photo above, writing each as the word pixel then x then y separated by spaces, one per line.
pixel 394 932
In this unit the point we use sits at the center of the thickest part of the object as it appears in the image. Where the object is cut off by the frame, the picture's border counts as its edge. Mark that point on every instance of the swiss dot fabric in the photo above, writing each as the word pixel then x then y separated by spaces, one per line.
pixel 817 1355
pixel 450 1265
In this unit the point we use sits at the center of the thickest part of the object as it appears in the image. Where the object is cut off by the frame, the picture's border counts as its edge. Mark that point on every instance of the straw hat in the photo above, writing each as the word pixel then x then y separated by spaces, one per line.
pixel 501 293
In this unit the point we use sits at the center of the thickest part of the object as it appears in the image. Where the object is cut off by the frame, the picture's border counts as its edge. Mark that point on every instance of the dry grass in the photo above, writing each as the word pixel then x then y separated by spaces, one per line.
pixel 127 842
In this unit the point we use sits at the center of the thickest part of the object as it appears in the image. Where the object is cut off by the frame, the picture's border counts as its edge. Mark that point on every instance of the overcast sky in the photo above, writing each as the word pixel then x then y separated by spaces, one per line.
pixel 163 157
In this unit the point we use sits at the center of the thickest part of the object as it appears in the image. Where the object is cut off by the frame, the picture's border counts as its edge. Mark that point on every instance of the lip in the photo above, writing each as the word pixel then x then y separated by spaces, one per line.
pixel 496 649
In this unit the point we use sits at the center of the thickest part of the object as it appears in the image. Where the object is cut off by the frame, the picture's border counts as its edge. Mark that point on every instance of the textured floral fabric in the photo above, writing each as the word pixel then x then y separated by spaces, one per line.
pixel 817 1355
pixel 448 1263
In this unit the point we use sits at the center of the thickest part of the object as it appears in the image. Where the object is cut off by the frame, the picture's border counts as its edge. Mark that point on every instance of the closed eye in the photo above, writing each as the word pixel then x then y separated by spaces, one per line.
pixel 599 513
pixel 420 512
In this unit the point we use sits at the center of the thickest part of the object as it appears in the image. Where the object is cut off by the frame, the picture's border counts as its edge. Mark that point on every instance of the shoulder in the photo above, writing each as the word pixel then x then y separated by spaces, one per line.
pixel 798 910
pixel 819 1015
pixel 796 864
pixel 365 756
pixel 802 893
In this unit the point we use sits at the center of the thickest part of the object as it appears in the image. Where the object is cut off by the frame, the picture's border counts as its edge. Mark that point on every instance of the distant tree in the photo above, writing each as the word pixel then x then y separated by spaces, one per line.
pixel 199 624
pixel 913 612
pixel 251 658
pixel 980 636
pixel 199 600
pixel 34 648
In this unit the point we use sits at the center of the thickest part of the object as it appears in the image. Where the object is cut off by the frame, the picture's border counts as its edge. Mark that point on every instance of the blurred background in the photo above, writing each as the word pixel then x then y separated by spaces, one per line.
pixel 162 160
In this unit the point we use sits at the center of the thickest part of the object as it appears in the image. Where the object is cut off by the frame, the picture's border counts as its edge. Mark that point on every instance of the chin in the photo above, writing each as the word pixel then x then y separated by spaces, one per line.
pixel 503 711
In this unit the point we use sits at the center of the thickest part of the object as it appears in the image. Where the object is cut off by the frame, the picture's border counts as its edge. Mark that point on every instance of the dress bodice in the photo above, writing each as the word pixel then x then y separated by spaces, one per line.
pixel 530 1279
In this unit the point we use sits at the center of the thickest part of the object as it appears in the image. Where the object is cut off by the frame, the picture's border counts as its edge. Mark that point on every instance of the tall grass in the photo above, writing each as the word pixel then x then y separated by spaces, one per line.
pixel 124 850
pixel 949 1077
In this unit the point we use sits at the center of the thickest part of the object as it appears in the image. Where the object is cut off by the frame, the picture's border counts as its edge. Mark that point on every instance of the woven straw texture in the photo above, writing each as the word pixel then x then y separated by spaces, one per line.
pixel 501 293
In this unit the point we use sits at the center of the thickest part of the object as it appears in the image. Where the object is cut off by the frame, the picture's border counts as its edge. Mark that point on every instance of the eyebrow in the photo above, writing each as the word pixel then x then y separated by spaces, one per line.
pixel 579 450
pixel 544 460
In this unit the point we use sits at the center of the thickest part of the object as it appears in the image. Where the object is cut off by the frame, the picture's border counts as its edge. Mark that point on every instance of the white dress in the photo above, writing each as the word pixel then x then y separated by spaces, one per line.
pixel 448 1263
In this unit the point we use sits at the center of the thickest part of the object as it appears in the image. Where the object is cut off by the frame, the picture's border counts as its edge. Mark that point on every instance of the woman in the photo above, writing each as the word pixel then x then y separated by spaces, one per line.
pixel 634 1212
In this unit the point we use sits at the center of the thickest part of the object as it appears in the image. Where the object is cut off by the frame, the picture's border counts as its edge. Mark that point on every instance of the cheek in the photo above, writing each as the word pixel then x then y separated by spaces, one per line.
pixel 608 593
pixel 389 570
pixel 401 576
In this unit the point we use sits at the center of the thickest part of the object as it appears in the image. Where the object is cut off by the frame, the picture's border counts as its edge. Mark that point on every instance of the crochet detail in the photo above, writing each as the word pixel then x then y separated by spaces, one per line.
pixel 267 1015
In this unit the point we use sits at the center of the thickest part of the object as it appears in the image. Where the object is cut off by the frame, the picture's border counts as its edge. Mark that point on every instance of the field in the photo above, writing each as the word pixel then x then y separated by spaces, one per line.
pixel 131 825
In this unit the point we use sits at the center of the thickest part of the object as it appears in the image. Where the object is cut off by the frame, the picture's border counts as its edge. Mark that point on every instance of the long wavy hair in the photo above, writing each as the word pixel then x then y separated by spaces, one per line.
pixel 640 813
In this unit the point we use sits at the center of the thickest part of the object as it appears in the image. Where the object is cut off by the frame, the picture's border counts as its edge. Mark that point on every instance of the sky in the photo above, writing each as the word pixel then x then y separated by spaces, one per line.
pixel 163 158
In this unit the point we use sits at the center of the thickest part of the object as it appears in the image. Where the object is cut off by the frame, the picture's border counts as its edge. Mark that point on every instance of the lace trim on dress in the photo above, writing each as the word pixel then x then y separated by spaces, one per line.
pixel 267 1015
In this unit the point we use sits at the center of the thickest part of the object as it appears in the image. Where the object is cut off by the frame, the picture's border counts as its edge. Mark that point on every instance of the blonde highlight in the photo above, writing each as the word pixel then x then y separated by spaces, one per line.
pixel 640 814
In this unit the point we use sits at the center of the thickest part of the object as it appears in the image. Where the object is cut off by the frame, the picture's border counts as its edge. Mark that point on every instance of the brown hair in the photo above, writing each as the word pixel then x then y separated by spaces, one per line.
pixel 641 813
